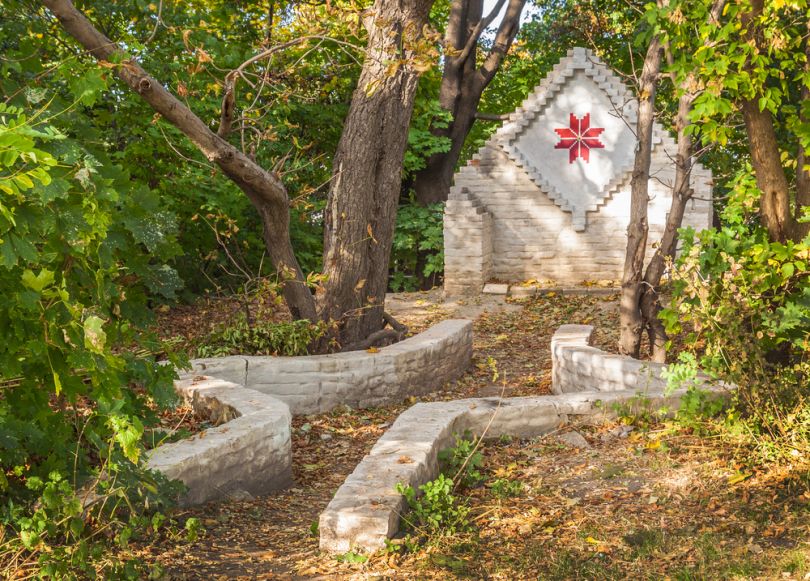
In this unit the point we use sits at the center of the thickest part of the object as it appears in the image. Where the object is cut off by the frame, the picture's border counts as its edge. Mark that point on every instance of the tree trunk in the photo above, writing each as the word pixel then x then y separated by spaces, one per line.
pixel 631 321
pixel 681 194
pixel 763 146
pixel 774 206
pixel 462 85
pixel 265 191
pixel 362 205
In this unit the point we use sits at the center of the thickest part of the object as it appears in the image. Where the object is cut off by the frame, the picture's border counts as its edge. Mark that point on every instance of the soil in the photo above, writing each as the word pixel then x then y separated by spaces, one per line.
pixel 657 504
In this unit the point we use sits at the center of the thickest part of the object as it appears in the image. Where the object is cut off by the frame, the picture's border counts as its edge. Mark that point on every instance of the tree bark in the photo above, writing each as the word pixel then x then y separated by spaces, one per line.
pixel 265 191
pixel 631 321
pixel 681 194
pixel 361 210
pixel 463 83
pixel 774 206
pixel 763 146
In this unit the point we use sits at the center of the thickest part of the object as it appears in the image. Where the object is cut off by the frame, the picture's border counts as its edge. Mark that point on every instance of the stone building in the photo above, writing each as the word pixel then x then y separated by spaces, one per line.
pixel 548 196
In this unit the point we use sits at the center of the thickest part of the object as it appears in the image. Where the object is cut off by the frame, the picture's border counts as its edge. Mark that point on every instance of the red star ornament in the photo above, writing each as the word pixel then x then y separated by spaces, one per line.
pixel 579 137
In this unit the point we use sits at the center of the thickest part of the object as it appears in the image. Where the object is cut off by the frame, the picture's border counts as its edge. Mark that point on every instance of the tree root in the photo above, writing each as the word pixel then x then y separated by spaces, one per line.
pixel 381 338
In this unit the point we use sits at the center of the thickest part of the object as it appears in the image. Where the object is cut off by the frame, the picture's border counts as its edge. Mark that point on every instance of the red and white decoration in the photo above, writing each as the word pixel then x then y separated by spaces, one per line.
pixel 579 138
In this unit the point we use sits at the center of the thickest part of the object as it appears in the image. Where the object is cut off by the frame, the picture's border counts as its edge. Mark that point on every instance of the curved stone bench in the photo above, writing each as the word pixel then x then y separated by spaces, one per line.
pixel 248 452
pixel 319 383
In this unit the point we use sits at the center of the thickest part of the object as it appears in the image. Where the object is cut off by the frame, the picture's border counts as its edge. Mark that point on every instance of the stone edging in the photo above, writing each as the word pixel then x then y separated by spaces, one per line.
pixel 250 452
pixel 588 382
pixel 577 366
pixel 366 509
pixel 319 383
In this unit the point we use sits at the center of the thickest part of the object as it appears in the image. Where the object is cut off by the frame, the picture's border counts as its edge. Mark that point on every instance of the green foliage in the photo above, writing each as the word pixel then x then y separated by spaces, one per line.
pixel 436 512
pixel 745 303
pixel 502 488
pixel 351 557
pixel 262 338
pixel 422 143
pixel 463 461
pixel 417 253
pixel 81 248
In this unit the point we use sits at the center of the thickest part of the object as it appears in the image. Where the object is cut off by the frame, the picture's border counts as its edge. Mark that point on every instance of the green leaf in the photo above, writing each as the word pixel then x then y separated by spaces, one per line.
pixel 38 282
pixel 94 336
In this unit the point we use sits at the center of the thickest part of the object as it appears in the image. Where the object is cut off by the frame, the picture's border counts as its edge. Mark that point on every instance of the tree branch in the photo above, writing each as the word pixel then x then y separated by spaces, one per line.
pixel 265 190
pixel 480 27
pixel 503 41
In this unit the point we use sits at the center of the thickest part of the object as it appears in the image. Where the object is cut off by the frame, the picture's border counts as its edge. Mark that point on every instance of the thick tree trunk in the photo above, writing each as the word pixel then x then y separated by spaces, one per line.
pixel 463 83
pixel 361 211
pixel 763 146
pixel 265 191
pixel 631 321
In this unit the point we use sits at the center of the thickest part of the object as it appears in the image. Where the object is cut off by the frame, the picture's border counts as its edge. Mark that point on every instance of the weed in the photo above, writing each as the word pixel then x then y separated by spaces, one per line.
pixel 505 488
pixel 436 512
pixel 462 461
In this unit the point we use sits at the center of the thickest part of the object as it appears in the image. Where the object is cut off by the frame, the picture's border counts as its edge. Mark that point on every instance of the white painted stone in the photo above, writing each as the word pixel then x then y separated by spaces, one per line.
pixel 519 210
pixel 495 289
pixel 366 509
pixel 248 453
pixel 319 383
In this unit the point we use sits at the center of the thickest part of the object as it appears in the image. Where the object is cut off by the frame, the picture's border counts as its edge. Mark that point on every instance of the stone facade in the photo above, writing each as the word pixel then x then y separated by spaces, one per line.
pixel 526 208
pixel 319 383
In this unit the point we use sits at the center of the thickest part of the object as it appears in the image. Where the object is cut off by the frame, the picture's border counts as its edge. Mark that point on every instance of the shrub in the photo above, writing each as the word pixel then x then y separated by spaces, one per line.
pixel 417 252
pixel 462 462
pixel 745 302
pixel 436 512
pixel 262 338
pixel 79 253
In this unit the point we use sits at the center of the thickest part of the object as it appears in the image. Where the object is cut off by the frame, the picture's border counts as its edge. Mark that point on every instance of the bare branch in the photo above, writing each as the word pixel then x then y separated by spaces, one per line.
pixel 475 35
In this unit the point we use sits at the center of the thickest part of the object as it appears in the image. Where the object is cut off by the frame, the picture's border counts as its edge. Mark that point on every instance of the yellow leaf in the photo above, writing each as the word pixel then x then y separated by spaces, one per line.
pixel 593 541
pixel 372 350
pixel 738 477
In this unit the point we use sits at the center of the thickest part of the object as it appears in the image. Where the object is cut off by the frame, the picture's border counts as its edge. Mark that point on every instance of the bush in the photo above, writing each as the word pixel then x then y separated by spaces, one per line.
pixel 462 461
pixel 79 253
pixel 436 512
pixel 262 338
pixel 417 253
pixel 745 302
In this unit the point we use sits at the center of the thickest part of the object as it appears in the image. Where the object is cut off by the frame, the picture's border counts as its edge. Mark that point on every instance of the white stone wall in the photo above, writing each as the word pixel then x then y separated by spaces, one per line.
pixel 366 509
pixel 250 452
pixel 319 383
pixel 499 224
pixel 577 366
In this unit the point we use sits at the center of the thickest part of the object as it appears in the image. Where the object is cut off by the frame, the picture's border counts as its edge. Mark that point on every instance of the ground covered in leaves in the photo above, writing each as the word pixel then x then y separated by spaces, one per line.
pixel 650 505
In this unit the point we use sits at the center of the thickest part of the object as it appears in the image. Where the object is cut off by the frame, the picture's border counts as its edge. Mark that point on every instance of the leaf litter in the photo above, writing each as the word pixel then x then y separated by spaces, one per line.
pixel 620 509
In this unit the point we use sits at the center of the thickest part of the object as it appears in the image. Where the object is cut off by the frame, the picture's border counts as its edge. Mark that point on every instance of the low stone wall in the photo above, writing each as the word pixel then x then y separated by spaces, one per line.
pixel 588 382
pixel 319 383
pixel 366 509
pixel 577 366
pixel 249 452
